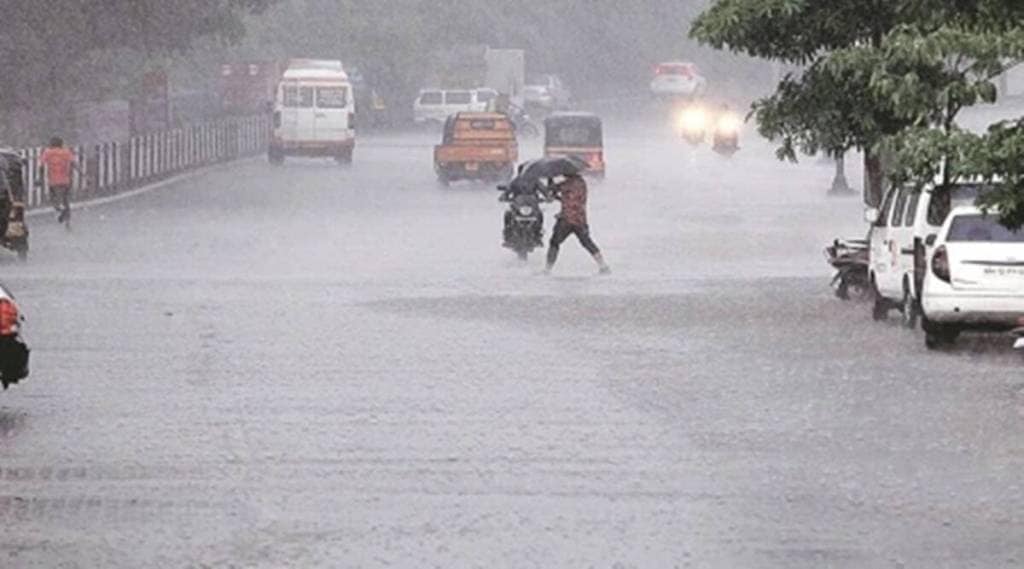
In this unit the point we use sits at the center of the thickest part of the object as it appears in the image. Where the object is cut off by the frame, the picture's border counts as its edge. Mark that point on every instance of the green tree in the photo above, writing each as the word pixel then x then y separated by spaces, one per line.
pixel 875 69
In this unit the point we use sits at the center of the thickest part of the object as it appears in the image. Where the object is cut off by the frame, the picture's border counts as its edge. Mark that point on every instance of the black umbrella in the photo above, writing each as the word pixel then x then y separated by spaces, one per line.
pixel 532 172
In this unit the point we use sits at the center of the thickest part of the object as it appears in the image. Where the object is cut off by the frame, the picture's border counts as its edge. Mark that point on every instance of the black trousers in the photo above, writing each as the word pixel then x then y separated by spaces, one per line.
pixel 562 231
pixel 60 197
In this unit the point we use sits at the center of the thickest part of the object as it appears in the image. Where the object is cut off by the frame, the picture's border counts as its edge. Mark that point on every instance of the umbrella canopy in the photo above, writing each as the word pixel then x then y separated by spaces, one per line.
pixel 532 172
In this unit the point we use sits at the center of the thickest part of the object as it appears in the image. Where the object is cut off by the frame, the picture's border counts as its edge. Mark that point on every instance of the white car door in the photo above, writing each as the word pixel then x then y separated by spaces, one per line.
pixel 332 113
pixel 881 258
pixel 297 120
pixel 901 245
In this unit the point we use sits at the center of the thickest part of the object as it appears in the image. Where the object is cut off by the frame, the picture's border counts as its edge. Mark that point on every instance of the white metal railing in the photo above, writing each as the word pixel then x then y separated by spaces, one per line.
pixel 111 168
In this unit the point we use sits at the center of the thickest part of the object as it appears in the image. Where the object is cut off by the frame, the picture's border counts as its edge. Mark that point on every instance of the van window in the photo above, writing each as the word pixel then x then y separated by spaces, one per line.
pixel 885 213
pixel 332 97
pixel 296 97
pixel 431 98
pixel 458 98
pixel 898 209
pixel 912 203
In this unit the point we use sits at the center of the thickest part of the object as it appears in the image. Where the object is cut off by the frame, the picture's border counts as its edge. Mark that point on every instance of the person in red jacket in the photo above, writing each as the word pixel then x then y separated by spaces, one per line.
pixel 56 165
pixel 573 221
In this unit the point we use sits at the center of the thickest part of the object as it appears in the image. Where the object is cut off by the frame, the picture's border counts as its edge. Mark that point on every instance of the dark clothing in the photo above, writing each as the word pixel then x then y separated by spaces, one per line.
pixel 573 195
pixel 562 231
pixel 60 197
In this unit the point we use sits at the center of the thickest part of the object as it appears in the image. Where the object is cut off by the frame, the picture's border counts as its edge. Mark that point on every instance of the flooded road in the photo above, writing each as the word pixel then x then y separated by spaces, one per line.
pixel 320 366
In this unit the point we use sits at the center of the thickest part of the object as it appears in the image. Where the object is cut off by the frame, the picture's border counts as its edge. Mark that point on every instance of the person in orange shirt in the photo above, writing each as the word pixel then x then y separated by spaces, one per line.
pixel 56 165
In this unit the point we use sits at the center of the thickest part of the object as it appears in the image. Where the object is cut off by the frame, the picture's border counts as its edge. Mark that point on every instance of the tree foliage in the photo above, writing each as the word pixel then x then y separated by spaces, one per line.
pixel 885 76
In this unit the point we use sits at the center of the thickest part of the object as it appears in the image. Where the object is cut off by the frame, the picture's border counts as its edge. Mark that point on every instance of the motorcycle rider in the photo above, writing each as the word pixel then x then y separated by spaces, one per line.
pixel 572 192
pixel 509 195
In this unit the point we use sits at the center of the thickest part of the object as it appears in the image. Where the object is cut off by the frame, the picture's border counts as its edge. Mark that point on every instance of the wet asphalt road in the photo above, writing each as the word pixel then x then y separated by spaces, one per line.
pixel 315 366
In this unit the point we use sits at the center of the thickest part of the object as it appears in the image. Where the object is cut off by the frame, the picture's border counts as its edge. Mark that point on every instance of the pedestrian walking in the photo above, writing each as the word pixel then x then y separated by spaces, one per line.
pixel 55 166
pixel 573 221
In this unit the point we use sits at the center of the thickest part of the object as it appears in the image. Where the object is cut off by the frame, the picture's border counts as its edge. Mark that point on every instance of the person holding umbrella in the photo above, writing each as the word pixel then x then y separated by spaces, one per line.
pixel 572 192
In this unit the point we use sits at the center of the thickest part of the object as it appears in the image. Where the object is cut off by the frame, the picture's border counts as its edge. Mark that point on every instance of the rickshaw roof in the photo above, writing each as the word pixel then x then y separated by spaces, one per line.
pixel 480 116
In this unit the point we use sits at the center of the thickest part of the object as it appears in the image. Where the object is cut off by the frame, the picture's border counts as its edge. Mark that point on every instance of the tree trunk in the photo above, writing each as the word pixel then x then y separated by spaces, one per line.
pixel 874 179
pixel 840 187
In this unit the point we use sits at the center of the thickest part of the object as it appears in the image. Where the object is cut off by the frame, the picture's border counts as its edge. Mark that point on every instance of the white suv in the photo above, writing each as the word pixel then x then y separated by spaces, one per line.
pixel 547 92
pixel 434 106
pixel 975 278
pixel 677 79
pixel 898 247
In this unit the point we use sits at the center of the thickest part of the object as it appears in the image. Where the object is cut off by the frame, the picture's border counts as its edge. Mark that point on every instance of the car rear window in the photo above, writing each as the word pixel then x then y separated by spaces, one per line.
pixel 978 228
pixel 676 69
pixel 332 97
pixel 458 98
pixel 431 98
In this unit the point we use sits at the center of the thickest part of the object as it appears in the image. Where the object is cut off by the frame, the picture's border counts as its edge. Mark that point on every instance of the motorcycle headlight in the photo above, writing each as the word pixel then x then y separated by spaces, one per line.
pixel 526 210
pixel 693 119
pixel 729 124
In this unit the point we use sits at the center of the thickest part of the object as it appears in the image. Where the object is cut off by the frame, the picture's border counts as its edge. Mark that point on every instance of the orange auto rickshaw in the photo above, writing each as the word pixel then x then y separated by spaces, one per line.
pixel 576 134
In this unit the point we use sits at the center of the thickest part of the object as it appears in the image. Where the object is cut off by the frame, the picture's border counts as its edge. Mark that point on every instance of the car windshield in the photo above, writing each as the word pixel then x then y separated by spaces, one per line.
pixel 981 228
pixel 332 97
pixel 431 98
pixel 458 98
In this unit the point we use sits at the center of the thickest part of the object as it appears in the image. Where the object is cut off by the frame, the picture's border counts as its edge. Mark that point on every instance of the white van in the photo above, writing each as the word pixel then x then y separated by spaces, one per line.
pixel 314 112
pixel 900 245
pixel 434 106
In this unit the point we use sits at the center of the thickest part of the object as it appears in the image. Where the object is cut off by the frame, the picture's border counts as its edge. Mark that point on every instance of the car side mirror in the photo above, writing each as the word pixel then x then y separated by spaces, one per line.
pixel 931 239
pixel 503 187
pixel 871 215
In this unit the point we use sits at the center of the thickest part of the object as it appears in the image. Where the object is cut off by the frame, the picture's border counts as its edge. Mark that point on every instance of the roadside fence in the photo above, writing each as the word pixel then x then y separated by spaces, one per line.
pixel 111 168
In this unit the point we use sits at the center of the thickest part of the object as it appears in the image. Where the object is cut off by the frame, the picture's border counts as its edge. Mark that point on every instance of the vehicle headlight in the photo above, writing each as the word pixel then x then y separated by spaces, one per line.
pixel 693 120
pixel 526 210
pixel 729 124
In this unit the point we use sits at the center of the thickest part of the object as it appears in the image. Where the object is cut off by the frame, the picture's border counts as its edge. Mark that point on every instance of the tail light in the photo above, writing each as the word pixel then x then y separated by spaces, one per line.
pixel 940 264
pixel 8 318
pixel 595 159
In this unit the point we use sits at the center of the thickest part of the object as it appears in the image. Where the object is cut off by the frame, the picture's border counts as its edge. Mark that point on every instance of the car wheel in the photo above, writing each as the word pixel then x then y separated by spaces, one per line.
pixel 880 309
pixel 909 309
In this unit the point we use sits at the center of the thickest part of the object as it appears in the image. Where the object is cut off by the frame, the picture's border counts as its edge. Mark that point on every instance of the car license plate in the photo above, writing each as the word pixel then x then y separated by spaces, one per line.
pixel 472 167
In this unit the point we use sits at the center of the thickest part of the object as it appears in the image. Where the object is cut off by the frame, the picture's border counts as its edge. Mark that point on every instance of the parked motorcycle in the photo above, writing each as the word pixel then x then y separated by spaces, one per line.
pixel 524 219
pixel 849 257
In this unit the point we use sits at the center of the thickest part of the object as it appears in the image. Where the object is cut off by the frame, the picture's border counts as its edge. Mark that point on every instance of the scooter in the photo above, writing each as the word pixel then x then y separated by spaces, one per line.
pixel 524 221
pixel 524 124
pixel 850 260
pixel 726 138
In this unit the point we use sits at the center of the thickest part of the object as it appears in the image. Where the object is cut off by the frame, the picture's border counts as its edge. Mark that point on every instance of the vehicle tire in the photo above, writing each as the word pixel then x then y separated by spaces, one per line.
pixel 880 308
pixel 22 251
pixel 938 336
pixel 523 255
pixel 843 290
pixel 443 180
pixel 908 309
